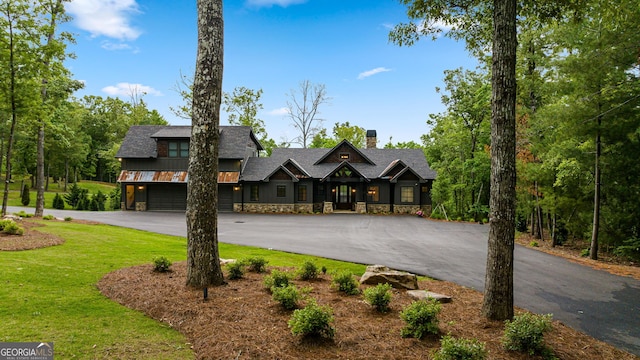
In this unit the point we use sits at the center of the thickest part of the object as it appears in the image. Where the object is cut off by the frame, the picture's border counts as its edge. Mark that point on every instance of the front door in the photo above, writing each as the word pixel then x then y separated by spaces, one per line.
pixel 344 197
pixel 130 195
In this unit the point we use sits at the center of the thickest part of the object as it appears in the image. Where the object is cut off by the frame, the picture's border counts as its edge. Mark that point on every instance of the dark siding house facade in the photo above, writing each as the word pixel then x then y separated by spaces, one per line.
pixel 291 180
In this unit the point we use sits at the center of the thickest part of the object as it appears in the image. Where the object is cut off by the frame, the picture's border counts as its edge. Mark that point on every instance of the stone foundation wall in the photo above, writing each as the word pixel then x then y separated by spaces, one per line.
pixel 405 209
pixel 265 208
pixel 378 208
pixel 303 208
pixel 141 206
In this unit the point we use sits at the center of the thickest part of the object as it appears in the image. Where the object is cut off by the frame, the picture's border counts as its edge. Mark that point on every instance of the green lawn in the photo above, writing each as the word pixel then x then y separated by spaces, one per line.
pixel 92 186
pixel 50 294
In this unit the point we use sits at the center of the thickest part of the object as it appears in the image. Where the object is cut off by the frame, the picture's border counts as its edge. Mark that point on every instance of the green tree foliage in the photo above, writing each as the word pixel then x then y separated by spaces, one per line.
pixel 341 131
pixel 457 146
pixel 243 105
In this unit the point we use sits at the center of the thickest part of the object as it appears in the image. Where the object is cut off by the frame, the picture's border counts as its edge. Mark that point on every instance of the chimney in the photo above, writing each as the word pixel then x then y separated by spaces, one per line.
pixel 372 140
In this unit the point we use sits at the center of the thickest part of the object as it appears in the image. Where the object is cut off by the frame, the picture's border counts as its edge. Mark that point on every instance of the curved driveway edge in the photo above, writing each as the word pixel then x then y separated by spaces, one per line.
pixel 604 306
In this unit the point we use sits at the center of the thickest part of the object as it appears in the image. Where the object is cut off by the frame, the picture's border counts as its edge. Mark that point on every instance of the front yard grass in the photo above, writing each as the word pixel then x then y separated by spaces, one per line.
pixel 50 294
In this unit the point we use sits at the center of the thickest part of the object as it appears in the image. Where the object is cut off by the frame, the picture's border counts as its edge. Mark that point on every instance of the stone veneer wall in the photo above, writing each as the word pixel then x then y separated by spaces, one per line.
pixel 412 209
pixel 378 208
pixel 274 208
pixel 141 206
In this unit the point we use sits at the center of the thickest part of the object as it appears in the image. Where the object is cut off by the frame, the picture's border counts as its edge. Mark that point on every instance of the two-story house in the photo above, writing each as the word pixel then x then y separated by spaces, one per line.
pixel 343 178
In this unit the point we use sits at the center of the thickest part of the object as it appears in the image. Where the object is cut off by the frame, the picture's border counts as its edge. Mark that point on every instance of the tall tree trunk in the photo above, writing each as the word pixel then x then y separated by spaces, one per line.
pixel 14 117
pixel 40 171
pixel 203 259
pixel 593 253
pixel 498 289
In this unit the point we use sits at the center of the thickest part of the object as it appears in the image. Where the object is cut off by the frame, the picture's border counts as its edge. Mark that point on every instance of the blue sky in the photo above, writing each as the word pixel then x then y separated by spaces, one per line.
pixel 271 45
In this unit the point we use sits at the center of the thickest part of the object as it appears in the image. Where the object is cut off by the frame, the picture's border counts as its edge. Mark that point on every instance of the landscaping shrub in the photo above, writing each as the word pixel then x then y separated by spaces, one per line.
pixel 379 296
pixel 58 202
pixel 235 270
pixel 277 278
pixel 324 269
pixel 48 217
pixel 12 228
pixel 93 204
pixel 421 318
pixel 534 244
pixel 161 264
pixel 100 199
pixel 68 218
pixel 75 194
pixel 287 296
pixel 312 320
pixel 256 264
pixel 525 333
pixel 308 271
pixel 23 214
pixel 345 282
pixel 25 197
pixel 114 198
pixel 460 349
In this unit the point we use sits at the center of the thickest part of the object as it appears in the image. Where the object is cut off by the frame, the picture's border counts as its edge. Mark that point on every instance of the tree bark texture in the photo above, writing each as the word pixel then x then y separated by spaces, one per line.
pixel 203 259
pixel 593 250
pixel 498 290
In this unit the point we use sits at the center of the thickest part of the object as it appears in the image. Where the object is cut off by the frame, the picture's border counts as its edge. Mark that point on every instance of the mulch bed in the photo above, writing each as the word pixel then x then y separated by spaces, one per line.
pixel 31 239
pixel 241 321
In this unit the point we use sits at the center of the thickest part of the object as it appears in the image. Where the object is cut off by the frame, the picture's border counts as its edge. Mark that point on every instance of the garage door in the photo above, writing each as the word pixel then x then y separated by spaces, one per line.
pixel 225 198
pixel 167 197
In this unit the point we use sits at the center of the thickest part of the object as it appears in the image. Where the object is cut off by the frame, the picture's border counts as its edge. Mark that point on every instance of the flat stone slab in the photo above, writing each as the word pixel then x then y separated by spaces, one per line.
pixel 424 294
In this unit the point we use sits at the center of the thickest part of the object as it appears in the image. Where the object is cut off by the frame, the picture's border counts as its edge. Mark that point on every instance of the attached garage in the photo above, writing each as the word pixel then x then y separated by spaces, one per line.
pixel 225 198
pixel 167 197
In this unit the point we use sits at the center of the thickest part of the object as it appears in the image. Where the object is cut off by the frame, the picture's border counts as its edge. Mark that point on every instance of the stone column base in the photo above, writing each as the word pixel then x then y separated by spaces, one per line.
pixel 328 207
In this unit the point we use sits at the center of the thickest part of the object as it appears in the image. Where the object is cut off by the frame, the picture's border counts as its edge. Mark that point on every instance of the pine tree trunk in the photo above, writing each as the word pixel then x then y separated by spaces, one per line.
pixel 203 259
pixel 593 253
pixel 40 171
pixel 498 290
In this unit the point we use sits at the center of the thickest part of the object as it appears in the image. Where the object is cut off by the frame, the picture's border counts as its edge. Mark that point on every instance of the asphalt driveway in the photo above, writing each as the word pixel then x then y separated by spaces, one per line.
pixel 605 306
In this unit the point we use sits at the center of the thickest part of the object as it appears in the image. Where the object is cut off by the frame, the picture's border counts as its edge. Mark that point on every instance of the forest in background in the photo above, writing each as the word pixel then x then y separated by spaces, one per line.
pixel 578 122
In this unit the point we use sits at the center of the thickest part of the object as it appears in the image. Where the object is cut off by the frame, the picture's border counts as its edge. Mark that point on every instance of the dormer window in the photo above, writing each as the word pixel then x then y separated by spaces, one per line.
pixel 344 156
pixel 179 149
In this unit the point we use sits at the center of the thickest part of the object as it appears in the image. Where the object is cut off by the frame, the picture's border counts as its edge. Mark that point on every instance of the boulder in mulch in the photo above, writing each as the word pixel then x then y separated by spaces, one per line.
pixel 423 295
pixel 380 274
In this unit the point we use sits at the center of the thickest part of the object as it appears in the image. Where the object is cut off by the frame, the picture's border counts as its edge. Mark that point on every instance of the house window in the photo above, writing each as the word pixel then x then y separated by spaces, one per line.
pixel 374 193
pixel 179 149
pixel 406 194
pixel 302 193
pixel 255 193
pixel 344 156
pixel 281 190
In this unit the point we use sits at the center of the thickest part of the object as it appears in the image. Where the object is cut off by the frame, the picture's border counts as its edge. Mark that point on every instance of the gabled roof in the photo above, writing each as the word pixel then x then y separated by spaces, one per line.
pixel 281 167
pixel 257 169
pixel 404 171
pixel 339 167
pixel 392 165
pixel 297 166
pixel 337 148
pixel 140 140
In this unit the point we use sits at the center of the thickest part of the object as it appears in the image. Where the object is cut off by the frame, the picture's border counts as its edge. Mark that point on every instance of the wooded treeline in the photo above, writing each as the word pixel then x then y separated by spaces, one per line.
pixel 578 130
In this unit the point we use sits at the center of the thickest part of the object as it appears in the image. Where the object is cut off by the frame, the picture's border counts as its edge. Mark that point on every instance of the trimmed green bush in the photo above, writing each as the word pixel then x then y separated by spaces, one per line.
pixel 277 278
pixel 525 333
pixel 25 197
pixel 100 199
pixel 308 271
pixel 68 218
pixel 161 264
pixel 379 296
pixel 12 228
pixel 48 217
pixel 58 202
pixel 235 270
pixel 93 204
pixel 345 282
pixel 421 318
pixel 460 349
pixel 115 197
pixel 256 264
pixel 287 296
pixel 313 320
pixel 323 269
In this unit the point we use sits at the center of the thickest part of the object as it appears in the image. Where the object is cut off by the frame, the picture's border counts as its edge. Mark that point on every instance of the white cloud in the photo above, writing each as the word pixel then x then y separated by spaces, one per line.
pixel 127 89
pixel 269 3
pixel 109 18
pixel 108 45
pixel 279 112
pixel 372 72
